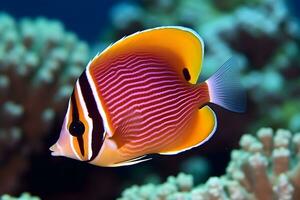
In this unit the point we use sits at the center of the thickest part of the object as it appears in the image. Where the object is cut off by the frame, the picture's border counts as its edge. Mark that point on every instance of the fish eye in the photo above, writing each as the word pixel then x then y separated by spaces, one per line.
pixel 186 74
pixel 76 128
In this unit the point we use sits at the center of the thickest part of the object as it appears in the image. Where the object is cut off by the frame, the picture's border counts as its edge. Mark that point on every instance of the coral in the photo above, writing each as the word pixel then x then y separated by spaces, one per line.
pixel 39 62
pixel 261 34
pixel 198 167
pixel 265 167
pixel 24 196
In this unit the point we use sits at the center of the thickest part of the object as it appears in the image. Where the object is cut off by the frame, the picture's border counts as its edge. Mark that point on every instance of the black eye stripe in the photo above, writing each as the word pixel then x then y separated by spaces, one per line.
pixel 81 144
pixel 75 115
pixel 91 105
pixel 76 128
pixel 75 119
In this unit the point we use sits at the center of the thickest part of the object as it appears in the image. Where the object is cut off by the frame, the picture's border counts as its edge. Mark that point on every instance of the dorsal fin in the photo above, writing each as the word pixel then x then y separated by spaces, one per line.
pixel 181 46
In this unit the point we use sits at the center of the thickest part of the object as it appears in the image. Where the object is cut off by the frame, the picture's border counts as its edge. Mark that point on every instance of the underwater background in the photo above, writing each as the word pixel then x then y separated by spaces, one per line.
pixel 45 45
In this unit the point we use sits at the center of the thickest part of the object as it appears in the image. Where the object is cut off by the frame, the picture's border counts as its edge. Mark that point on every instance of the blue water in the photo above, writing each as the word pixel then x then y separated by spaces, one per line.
pixel 86 18
pixel 295 7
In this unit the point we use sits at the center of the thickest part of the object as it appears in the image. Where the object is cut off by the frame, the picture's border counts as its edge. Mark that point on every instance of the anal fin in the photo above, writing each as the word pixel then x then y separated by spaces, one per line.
pixel 201 128
pixel 130 162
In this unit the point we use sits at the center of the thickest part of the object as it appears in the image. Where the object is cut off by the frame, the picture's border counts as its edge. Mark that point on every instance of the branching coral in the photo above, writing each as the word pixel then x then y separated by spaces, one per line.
pixel 268 38
pixel 266 167
pixel 39 62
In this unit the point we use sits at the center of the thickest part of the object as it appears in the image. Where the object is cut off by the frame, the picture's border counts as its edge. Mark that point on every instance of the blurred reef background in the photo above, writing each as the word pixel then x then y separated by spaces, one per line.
pixel 45 45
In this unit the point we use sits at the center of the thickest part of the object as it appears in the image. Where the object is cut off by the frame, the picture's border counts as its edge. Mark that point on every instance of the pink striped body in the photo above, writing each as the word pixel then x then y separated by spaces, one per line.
pixel 140 96
pixel 148 103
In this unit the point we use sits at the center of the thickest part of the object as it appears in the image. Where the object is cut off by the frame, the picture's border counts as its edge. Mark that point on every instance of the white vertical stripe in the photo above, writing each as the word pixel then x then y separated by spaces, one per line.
pixel 107 128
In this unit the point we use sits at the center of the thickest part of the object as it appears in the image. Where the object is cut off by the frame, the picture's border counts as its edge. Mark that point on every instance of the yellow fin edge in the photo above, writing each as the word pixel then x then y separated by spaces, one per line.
pixel 201 130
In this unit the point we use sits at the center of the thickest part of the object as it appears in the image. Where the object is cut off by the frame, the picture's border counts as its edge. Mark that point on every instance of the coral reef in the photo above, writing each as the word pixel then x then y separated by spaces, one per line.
pixel 39 62
pixel 198 167
pixel 24 196
pixel 261 34
pixel 265 167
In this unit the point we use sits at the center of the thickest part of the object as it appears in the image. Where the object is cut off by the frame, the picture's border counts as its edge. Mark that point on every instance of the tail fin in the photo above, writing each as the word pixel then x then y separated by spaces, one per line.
pixel 225 88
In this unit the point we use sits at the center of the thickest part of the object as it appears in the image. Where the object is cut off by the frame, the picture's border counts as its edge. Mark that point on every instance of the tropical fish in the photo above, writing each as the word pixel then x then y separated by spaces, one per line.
pixel 140 96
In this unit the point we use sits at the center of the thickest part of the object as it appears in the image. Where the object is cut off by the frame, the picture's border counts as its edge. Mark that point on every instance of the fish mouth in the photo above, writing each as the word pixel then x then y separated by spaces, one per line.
pixel 55 150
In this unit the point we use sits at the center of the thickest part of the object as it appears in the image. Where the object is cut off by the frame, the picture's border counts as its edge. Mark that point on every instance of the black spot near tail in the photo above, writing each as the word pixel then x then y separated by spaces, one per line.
pixel 186 74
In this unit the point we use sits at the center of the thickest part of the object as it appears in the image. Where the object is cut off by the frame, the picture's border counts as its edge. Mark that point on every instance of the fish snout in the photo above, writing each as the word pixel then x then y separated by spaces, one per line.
pixel 55 150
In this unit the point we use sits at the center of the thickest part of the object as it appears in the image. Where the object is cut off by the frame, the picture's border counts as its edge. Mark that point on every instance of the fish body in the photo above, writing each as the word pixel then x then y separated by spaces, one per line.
pixel 140 97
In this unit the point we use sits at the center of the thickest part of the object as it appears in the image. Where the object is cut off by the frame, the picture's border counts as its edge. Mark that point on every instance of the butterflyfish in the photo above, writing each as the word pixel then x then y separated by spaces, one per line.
pixel 140 96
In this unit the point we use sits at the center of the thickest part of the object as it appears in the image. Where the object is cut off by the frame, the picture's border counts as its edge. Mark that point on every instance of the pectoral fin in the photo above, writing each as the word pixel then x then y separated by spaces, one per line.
pixel 200 130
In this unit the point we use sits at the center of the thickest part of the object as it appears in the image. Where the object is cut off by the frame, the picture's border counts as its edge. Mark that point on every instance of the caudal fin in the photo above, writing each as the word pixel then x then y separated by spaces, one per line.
pixel 225 88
